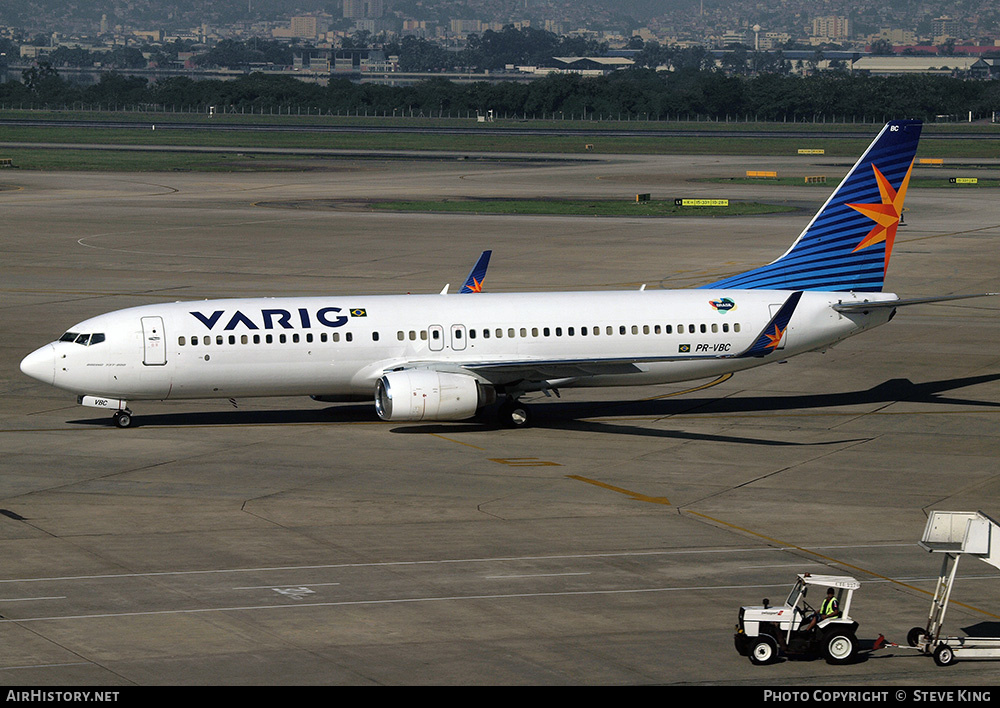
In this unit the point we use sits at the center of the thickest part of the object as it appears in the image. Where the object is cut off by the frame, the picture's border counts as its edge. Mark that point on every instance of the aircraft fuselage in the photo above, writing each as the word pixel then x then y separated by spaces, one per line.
pixel 339 346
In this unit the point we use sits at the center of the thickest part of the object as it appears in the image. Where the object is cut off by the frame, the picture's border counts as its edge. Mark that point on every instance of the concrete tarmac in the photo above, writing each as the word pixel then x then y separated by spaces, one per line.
pixel 284 541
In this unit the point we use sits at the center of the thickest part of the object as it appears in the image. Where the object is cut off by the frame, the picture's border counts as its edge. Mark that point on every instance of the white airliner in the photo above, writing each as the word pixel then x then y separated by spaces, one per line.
pixel 445 357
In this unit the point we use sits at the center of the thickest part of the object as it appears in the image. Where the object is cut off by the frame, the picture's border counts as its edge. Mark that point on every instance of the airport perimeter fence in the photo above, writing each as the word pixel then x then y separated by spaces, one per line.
pixel 468 114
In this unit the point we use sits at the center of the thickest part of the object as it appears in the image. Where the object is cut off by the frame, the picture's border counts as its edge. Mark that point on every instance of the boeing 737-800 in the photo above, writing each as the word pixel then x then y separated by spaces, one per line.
pixel 444 357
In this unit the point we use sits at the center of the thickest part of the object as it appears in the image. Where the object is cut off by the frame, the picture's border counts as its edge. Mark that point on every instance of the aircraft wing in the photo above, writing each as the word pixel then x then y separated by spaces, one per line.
pixel 507 372
pixel 883 304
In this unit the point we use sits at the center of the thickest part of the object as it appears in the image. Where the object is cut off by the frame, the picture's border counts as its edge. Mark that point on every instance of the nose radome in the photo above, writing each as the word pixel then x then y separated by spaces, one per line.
pixel 41 364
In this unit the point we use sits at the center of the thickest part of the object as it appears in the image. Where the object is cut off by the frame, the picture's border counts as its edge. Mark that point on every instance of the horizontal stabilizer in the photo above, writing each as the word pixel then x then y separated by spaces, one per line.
pixel 884 304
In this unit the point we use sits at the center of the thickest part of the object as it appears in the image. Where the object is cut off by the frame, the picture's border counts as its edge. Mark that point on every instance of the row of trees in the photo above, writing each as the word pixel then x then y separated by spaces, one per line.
pixel 635 92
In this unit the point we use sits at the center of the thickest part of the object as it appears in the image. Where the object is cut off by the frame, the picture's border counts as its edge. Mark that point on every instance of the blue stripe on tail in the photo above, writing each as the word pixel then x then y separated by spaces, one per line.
pixel 474 282
pixel 846 246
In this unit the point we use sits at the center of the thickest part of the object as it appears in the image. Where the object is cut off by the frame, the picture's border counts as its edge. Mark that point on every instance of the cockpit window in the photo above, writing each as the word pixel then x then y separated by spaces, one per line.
pixel 84 339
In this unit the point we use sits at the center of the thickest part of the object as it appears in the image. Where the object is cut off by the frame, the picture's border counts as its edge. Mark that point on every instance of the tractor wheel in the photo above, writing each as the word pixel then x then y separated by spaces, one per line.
pixel 840 648
pixel 763 650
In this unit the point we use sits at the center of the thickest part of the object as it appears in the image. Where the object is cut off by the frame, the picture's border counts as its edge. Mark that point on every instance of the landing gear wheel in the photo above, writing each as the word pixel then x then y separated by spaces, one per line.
pixel 944 655
pixel 514 414
pixel 840 648
pixel 763 650
pixel 123 419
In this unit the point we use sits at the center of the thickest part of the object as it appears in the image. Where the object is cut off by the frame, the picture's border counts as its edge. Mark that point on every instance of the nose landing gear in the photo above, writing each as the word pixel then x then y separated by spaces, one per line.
pixel 122 415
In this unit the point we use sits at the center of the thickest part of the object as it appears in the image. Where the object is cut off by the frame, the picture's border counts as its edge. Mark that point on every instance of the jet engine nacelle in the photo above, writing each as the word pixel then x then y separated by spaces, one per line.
pixel 422 394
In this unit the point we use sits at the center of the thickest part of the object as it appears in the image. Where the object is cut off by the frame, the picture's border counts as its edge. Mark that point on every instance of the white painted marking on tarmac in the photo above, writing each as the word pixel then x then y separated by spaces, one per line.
pixel 534 575
pixel 448 598
pixel 388 601
pixel 45 666
pixel 274 587
pixel 445 561
pixel 31 599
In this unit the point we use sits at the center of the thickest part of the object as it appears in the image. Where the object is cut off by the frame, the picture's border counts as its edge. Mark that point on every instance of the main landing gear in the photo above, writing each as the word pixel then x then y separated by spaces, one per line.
pixel 514 414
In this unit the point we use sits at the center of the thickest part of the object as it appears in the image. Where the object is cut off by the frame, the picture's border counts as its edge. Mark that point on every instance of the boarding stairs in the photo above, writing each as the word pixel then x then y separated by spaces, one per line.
pixel 954 534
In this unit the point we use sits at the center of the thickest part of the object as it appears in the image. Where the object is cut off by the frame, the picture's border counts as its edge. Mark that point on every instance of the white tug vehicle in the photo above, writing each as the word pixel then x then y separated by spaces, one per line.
pixel 764 632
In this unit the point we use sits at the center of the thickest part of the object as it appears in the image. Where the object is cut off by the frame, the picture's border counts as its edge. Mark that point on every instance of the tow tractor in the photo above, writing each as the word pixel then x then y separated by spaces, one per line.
pixel 954 534
pixel 763 633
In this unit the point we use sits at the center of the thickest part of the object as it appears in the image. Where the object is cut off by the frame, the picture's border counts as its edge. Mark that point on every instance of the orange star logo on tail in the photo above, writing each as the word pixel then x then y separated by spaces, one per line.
pixel 477 286
pixel 885 215
pixel 775 338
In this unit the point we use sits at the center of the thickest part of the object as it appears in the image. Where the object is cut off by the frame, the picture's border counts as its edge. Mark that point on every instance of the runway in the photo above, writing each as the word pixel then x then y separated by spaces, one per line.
pixel 289 542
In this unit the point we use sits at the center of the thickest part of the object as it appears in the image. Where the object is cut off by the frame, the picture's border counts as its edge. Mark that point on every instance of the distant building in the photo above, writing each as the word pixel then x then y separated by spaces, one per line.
pixel 32 52
pixel 587 66
pixel 360 60
pixel 944 26
pixel 154 36
pixel 464 28
pixel 364 9
pixel 734 37
pixel 940 65
pixel 833 28
pixel 898 36
pixel 305 27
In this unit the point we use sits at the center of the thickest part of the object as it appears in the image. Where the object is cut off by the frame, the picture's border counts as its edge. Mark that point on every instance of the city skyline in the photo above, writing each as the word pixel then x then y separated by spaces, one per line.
pixel 624 16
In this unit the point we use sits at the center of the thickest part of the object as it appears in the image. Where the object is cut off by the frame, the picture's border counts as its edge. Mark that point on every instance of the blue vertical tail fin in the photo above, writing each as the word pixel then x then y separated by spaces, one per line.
pixel 474 281
pixel 846 246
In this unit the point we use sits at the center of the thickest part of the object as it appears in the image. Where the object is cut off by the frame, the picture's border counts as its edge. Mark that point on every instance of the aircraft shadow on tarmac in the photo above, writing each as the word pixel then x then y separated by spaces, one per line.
pixel 552 414
pixel 576 415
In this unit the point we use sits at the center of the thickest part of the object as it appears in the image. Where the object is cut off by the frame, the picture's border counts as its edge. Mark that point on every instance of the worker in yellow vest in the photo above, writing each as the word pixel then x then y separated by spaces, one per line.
pixel 829 608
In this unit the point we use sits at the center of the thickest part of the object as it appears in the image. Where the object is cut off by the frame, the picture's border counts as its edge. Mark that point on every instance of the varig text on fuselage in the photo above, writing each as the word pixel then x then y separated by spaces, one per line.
pixel 274 318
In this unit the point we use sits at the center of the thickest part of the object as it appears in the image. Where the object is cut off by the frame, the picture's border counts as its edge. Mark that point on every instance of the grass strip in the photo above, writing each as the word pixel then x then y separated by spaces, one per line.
pixel 575 207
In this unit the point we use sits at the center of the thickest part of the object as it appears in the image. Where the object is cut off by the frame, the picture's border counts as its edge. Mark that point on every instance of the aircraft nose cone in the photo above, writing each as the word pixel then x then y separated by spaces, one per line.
pixel 41 364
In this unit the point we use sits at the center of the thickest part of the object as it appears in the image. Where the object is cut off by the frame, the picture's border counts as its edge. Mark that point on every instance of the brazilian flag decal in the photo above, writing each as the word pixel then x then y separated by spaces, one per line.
pixel 684 348
pixel 358 312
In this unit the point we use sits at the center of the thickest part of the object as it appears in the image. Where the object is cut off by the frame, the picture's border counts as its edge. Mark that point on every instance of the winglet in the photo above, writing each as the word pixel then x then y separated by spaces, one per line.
pixel 474 283
pixel 770 337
